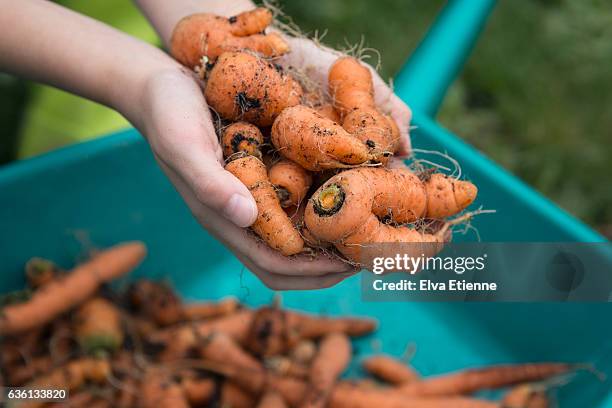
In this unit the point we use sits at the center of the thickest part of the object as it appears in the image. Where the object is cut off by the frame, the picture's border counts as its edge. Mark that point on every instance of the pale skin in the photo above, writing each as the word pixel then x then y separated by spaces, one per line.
pixel 44 42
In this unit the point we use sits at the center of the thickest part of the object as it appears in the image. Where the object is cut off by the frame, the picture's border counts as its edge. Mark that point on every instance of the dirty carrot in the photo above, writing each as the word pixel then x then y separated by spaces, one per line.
pixel 390 369
pixel 78 285
pixel 241 137
pixel 272 223
pixel 98 326
pixel 291 182
pixel 472 380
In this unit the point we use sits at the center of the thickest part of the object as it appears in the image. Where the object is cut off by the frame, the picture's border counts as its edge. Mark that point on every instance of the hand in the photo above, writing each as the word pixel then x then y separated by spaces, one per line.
pixel 315 60
pixel 174 118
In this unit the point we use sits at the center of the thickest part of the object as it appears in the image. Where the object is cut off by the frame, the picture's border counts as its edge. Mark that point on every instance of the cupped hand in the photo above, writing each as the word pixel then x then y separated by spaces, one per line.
pixel 314 60
pixel 175 119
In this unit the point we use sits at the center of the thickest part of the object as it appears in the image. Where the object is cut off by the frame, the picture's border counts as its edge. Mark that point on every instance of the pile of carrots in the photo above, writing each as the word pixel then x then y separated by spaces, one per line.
pixel 144 347
pixel 316 160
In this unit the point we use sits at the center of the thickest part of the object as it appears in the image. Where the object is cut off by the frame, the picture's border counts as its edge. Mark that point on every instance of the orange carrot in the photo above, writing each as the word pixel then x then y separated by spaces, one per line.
pixel 331 360
pixel 157 301
pixel 274 331
pixel 272 224
pixel 352 91
pixel 351 396
pixel 244 87
pixel 241 137
pixel 291 182
pixel 390 369
pixel 98 326
pixel 472 380
pixel 327 110
pixel 315 142
pixel 62 294
pixel 199 311
pixel 207 35
pixel 347 210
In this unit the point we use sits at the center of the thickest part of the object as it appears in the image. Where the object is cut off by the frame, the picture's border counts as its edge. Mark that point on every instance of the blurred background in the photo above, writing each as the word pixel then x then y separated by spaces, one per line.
pixel 535 96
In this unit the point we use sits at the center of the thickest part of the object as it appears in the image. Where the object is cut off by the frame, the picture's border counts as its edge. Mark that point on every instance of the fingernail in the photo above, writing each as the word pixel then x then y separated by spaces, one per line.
pixel 240 210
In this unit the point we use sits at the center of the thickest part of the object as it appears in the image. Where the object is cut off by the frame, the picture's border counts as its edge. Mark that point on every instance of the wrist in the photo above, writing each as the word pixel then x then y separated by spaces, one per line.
pixel 128 91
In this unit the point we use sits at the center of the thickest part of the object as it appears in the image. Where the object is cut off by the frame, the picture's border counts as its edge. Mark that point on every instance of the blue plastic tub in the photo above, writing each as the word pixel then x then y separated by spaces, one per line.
pixel 110 190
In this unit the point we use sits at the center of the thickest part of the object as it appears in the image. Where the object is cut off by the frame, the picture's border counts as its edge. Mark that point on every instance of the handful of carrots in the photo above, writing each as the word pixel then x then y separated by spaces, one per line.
pixel 144 347
pixel 316 160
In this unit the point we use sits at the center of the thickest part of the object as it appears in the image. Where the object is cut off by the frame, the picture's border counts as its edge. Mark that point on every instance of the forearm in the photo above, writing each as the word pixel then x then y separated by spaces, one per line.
pixel 48 43
pixel 164 14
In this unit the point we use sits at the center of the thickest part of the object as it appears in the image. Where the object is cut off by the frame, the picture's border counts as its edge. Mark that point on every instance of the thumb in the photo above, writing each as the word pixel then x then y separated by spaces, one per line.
pixel 219 190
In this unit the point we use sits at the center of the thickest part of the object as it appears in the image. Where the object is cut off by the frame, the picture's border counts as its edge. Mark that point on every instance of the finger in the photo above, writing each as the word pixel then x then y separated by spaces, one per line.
pixel 251 250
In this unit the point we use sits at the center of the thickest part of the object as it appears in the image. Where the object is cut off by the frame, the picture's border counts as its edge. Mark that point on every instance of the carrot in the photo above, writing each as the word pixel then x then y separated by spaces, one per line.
pixel 525 396
pixel 316 143
pixel 272 223
pixel 98 326
pixel 233 396
pixel 241 137
pixel 244 369
pixel 62 294
pixel 352 92
pixel 207 35
pixel 274 331
pixel 351 396
pixel 179 339
pixel 199 311
pixel 331 360
pixel 127 396
pixel 472 380
pixel 292 390
pixel 390 369
pixel 271 399
pixel 18 375
pixel 291 182
pixel 156 301
pixel 244 87
pixel 40 271
pixel 71 376
pixel 347 209
pixel 157 389
pixel 80 399
pixel 198 391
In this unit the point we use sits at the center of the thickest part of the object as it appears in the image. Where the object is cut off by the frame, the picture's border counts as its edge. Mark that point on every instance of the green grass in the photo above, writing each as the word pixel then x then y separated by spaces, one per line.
pixel 536 95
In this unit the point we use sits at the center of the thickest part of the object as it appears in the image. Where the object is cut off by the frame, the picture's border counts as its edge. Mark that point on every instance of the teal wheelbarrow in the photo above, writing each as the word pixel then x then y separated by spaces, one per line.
pixel 110 190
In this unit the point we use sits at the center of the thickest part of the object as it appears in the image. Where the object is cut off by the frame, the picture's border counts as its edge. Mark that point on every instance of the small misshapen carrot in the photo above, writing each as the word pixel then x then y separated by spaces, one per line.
pixel 241 137
pixel 331 360
pixel 315 142
pixel 472 380
pixel 390 370
pixel 272 223
pixel 328 111
pixel 75 287
pixel 352 91
pixel 97 326
pixel 207 35
pixel 244 87
pixel 156 301
pixel 291 182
